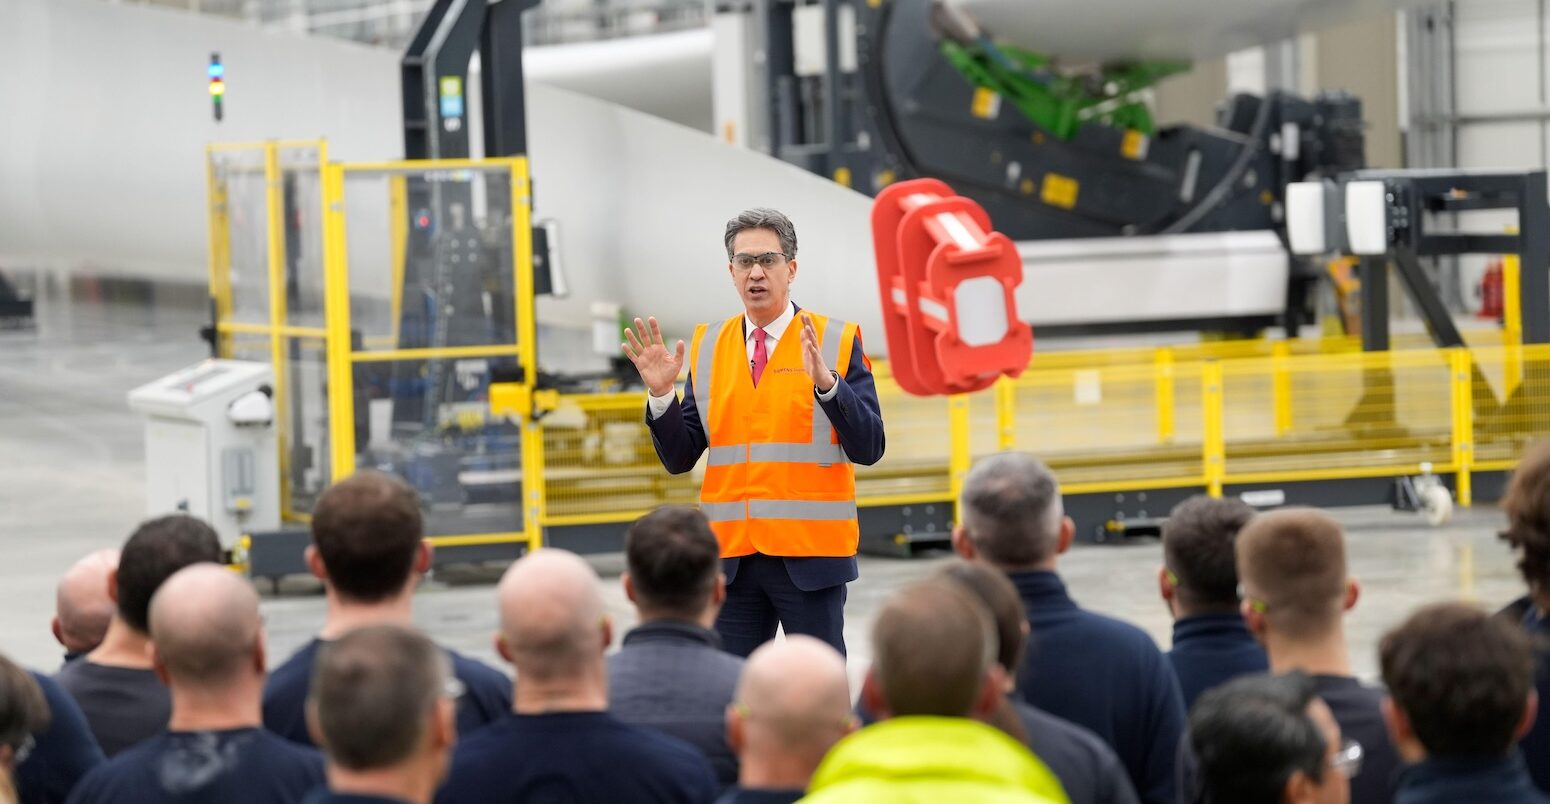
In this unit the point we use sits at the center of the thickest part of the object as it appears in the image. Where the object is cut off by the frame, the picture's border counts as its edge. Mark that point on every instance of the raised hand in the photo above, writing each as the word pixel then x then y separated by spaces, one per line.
pixel 812 357
pixel 658 367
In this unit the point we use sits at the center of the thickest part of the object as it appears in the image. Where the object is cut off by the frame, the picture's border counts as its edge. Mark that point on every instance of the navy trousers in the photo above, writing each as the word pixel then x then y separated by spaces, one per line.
pixel 763 596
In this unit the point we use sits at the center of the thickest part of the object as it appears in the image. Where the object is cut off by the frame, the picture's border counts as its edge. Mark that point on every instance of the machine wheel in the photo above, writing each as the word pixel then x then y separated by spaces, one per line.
pixel 1437 505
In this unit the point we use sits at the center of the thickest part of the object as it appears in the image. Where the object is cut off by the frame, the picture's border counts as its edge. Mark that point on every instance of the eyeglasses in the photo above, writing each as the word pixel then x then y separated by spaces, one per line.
pixel 1257 605
pixel 768 259
pixel 1348 760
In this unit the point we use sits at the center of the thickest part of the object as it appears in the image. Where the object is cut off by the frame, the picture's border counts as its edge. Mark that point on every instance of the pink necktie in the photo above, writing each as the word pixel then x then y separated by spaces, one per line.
pixel 760 356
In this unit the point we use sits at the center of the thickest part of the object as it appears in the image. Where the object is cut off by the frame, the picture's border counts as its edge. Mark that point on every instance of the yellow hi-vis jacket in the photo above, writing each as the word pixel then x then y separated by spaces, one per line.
pixel 777 480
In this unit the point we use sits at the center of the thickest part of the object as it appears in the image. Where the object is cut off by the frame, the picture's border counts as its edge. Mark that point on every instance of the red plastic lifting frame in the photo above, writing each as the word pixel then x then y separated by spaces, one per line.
pixel 928 242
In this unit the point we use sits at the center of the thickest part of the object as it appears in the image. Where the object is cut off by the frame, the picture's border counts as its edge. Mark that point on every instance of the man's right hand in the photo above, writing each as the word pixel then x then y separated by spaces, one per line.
pixel 658 367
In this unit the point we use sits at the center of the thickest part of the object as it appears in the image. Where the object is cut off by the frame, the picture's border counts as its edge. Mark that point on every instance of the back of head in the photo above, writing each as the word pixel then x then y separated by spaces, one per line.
pixel 550 613
pixel 1461 677
pixel 373 693
pixel 81 601
pixel 23 709
pixel 206 628
pixel 1527 505
pixel 674 561
pixel 932 645
pixel 156 550
pixel 367 529
pixel 996 593
pixel 1012 509
pixel 1293 562
pixel 1250 735
pixel 795 700
pixel 1198 539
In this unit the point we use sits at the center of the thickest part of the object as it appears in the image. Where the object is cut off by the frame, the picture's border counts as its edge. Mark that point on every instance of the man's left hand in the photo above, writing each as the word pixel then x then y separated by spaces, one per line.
pixel 812 358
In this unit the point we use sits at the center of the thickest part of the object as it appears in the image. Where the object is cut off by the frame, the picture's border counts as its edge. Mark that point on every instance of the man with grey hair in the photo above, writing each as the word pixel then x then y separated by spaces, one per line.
pixel 208 648
pixel 1092 670
pixel 784 417
pixel 381 706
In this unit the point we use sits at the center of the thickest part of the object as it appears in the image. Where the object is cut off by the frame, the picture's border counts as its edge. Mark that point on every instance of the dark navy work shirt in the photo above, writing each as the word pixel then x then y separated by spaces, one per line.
pixel 486 696
pixel 325 796
pixel 1085 765
pixel 1211 649
pixel 739 795
pixel 123 705
pixel 575 757
pixel 1106 675
pixel 672 676
pixel 236 766
pixel 1453 780
pixel 61 754
pixel 1358 709
pixel 1536 744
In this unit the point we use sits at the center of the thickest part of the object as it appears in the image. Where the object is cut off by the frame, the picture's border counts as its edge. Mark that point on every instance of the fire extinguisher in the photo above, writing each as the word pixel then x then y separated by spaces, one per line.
pixel 1491 293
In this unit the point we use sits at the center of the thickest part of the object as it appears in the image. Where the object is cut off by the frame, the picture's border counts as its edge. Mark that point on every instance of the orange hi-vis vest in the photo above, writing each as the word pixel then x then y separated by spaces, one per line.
pixel 777 480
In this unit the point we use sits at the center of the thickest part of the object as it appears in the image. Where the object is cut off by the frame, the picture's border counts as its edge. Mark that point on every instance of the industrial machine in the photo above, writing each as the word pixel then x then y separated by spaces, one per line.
pixel 873 93
pixel 210 446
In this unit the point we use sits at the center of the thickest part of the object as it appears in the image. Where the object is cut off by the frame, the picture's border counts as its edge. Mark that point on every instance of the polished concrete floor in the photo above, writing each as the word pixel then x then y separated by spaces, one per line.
pixel 71 480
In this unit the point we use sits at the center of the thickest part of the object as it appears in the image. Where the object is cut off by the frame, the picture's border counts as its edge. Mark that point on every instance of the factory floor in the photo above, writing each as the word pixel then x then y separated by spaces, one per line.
pixel 71 480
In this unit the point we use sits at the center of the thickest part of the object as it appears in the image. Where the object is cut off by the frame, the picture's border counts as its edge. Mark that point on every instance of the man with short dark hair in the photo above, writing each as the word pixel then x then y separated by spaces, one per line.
pixel 209 649
pixel 933 679
pixel 1296 591
pixel 671 674
pixel 1527 506
pixel 560 743
pixel 1092 670
pixel 1461 694
pixel 1199 582
pixel 1263 739
pixel 792 706
pixel 369 549
pixel 118 691
pixel 82 608
pixel 379 706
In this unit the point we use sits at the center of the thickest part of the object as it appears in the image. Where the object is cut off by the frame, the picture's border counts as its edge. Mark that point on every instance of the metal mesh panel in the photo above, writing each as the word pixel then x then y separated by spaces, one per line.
pixel 599 463
pixel 919 442
pixel 241 192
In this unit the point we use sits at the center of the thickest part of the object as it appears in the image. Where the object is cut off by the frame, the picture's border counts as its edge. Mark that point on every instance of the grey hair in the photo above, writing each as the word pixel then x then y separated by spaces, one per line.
pixel 1011 509
pixel 764 218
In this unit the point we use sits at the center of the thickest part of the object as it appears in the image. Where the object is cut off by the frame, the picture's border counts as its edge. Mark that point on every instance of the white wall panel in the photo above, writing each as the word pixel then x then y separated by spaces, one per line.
pixel 1497 47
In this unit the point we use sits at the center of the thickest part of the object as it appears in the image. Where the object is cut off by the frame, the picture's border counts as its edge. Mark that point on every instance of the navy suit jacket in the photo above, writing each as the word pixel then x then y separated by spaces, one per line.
pixel 679 437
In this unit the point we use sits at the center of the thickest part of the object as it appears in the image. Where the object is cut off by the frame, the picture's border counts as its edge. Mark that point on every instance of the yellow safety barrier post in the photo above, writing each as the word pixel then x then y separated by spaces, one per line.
pixel 1281 387
pixel 527 339
pixel 1463 422
pixel 1512 323
pixel 1163 365
pixel 1213 442
pixel 1006 413
pixel 220 250
pixel 274 218
pixel 959 456
pixel 336 302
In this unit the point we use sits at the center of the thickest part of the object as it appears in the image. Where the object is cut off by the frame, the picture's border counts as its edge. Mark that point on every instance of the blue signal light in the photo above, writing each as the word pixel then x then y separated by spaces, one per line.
pixel 217 70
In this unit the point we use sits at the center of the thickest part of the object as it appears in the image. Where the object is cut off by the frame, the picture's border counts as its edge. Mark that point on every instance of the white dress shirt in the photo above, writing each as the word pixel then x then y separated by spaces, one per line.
pixel 773 332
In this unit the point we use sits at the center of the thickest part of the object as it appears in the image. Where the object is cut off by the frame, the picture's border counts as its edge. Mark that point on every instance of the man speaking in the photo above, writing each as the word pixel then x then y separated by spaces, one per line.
pixel 786 404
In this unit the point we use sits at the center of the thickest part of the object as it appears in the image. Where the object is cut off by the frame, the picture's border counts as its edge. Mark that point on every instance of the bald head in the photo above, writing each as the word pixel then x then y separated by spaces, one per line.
pixel 552 615
pixel 206 628
pixel 793 700
pixel 82 606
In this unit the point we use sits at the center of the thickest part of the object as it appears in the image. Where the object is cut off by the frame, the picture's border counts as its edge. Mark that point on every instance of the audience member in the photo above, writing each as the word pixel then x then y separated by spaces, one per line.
pixel 208 645
pixel 1461 693
pixel 1087 768
pixel 1264 739
pixel 369 549
pixel 1527 505
pixel 379 706
pixel 23 713
pixel 670 673
pixel 117 689
pixel 792 706
pixel 82 607
pixel 1295 594
pixel 1092 670
pixel 63 752
pixel 933 679
pixel 1199 582
pixel 561 744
